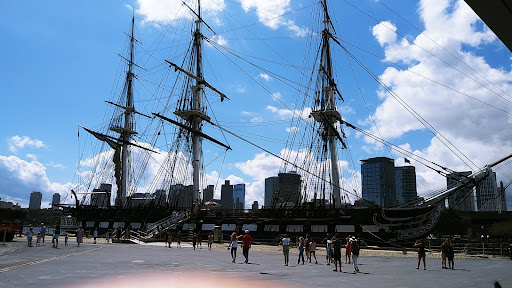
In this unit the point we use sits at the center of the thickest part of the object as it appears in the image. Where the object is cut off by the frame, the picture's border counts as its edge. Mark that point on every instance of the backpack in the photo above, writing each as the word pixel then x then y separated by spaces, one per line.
pixel 355 248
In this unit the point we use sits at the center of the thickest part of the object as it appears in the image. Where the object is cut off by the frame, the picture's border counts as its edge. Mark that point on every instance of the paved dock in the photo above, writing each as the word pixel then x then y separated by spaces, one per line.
pixel 133 265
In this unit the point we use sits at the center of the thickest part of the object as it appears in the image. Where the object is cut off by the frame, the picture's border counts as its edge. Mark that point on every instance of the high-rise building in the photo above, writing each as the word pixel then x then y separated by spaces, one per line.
pixel 226 195
pixel 35 200
pixel 55 201
pixel 487 194
pixel 378 181
pixel 160 198
pixel 288 189
pixel 503 197
pixel 464 199
pixel 255 205
pixel 100 197
pixel 208 193
pixel 180 196
pixel 270 190
pixel 405 181
pixel 239 196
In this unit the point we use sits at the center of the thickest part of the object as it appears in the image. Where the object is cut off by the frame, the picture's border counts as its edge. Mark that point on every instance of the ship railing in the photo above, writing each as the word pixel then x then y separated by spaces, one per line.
pixel 166 223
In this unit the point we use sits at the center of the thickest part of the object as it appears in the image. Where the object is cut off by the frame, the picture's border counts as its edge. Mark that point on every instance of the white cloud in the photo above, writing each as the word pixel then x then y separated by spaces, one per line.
pixel 240 90
pixel 256 120
pixel 265 76
pixel 477 130
pixel 287 113
pixel 270 13
pixel 220 40
pixel 292 129
pixel 246 113
pixel 32 157
pixel 18 178
pixel 16 142
pixel 276 96
pixel 165 11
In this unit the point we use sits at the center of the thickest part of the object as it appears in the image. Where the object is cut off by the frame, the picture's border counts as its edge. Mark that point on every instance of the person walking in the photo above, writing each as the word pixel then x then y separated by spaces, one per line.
pixel 336 247
pixel 312 249
pixel 307 239
pixel 42 230
pixel 328 248
pixel 178 239
pixel 56 235
pixel 30 234
pixel 38 240
pixel 246 240
pixel 450 254
pixel 200 239
pixel 95 235
pixel 300 247
pixel 107 236
pixel 194 240
pixel 286 249
pixel 79 236
pixel 444 250
pixel 421 253
pixel 355 247
pixel 234 244
pixel 347 250
pixel 210 241
pixel 66 238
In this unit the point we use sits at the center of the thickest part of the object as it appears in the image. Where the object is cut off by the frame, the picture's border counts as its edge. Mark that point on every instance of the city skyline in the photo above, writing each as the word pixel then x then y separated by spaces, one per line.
pixel 40 150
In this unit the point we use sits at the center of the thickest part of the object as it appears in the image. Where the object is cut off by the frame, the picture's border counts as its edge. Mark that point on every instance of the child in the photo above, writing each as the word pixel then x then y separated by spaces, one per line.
pixel 312 249
pixel 29 235
pixel 66 239
pixel 210 241
pixel 38 241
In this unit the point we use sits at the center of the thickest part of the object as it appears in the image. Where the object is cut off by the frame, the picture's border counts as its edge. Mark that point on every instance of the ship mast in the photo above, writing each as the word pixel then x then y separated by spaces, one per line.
pixel 196 106
pixel 325 112
pixel 127 132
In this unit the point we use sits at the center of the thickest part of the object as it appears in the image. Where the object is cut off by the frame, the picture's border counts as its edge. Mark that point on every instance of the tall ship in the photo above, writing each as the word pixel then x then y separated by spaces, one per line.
pixel 148 173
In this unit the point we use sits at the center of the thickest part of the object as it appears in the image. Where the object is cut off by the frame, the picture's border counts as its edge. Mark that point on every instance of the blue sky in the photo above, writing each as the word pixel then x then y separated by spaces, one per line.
pixel 60 63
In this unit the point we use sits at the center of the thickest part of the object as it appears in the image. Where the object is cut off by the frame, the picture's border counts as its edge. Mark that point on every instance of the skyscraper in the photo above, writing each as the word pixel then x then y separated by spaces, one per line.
pixel 288 189
pixel 405 181
pixel 226 195
pixel 208 193
pixel 180 196
pixel 160 197
pixel 270 190
pixel 35 200
pixel 487 194
pixel 503 197
pixel 378 181
pixel 56 201
pixel 464 199
pixel 101 196
pixel 239 196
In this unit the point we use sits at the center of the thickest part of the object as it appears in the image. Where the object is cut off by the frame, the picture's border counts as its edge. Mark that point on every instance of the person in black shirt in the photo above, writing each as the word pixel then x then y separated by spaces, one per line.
pixel 336 245
pixel 421 253
pixel 56 235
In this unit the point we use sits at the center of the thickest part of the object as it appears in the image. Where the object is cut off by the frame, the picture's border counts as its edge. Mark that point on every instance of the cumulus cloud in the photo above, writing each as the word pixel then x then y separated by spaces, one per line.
pixel 270 13
pixel 16 142
pixel 265 76
pixel 165 11
pixel 18 178
pixel 479 131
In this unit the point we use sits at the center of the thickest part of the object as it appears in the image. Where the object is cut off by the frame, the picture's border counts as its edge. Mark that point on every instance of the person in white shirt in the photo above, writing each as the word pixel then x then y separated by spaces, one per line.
pixel 286 249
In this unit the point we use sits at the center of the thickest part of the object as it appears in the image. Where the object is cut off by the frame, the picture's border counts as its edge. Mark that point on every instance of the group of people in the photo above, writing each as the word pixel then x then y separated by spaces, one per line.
pixel 333 247
pixel 40 236
pixel 308 245
pixel 246 245
pixel 447 253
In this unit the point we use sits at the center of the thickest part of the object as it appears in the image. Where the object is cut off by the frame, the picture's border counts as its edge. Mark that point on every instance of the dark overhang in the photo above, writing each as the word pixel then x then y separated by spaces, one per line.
pixel 497 15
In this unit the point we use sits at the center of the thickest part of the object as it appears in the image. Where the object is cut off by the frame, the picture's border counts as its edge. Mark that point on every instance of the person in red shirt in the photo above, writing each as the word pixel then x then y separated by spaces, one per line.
pixel 246 240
